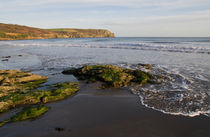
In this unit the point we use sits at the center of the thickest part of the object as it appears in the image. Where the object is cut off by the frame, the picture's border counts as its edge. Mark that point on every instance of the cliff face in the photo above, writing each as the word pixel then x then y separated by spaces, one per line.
pixel 82 33
pixel 17 32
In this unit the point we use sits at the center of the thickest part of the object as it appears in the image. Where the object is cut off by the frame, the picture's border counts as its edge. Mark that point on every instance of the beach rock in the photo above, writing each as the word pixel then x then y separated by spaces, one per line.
pixel 6 57
pixel 27 113
pixel 5 60
pixel 20 88
pixel 110 75
pixel 59 129
pixel 146 66
pixel 15 81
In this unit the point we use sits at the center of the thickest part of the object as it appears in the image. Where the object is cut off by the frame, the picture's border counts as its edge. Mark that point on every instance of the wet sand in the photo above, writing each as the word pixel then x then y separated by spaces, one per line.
pixel 95 112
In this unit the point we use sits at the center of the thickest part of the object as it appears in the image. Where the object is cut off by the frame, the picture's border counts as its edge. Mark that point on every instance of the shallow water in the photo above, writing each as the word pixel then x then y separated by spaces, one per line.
pixel 184 63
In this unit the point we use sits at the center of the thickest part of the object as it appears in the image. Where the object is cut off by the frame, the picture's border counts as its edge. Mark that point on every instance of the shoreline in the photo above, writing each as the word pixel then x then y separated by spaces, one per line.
pixel 55 38
pixel 107 112
pixel 176 114
pixel 96 112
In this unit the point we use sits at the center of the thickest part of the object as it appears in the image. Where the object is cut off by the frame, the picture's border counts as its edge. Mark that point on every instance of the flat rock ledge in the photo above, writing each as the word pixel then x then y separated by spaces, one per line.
pixel 20 89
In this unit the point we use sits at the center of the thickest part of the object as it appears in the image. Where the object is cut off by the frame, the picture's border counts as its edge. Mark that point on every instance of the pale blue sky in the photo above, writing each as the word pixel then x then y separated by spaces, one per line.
pixel 160 18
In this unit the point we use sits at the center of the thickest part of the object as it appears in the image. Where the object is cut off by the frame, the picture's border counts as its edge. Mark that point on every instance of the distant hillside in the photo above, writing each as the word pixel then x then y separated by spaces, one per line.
pixel 82 33
pixel 18 32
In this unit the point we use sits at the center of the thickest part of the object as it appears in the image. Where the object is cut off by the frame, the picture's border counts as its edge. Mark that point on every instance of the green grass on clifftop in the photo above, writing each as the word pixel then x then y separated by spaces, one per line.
pixel 18 32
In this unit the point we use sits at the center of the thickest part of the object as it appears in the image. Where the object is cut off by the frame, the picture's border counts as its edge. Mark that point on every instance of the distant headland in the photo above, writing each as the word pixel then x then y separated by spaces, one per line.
pixel 19 32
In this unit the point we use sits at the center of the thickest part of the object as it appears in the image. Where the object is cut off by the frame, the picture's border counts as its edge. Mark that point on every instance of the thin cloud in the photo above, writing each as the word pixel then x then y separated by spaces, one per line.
pixel 124 17
pixel 127 3
pixel 192 24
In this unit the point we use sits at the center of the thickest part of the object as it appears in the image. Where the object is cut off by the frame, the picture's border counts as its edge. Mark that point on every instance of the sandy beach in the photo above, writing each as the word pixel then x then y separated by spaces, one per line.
pixel 94 112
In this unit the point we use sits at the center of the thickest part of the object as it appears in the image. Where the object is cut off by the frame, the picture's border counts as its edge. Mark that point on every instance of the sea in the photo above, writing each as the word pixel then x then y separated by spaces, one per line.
pixel 184 64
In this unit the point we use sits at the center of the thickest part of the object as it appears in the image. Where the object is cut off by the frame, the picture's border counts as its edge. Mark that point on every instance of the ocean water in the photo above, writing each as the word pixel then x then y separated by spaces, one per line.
pixel 184 63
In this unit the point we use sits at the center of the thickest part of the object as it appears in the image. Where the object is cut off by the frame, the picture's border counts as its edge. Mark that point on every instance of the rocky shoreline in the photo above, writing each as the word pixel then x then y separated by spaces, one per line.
pixel 24 89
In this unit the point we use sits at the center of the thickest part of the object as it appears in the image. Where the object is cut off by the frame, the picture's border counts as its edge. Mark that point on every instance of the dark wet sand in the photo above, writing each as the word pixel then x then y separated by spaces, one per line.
pixel 107 113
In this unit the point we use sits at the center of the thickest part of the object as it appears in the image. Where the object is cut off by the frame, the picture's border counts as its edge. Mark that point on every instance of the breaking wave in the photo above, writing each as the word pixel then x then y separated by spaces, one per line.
pixel 183 47
pixel 183 87
pixel 176 93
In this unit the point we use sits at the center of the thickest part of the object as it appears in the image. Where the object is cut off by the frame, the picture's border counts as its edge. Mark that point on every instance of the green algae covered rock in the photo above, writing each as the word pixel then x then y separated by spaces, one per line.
pixel 14 81
pixel 27 113
pixel 20 88
pixel 57 92
pixel 111 75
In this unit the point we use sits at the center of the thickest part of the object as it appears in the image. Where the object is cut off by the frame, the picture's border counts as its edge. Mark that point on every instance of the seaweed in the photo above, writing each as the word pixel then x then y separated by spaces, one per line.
pixel 110 75
pixel 31 112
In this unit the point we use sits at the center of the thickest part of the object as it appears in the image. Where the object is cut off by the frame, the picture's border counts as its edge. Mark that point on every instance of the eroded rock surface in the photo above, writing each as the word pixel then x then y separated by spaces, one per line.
pixel 110 75
pixel 21 89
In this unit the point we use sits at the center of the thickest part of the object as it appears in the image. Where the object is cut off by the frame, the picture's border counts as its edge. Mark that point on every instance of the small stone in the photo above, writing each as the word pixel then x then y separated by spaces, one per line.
pixel 59 129
pixel 5 60
pixel 6 57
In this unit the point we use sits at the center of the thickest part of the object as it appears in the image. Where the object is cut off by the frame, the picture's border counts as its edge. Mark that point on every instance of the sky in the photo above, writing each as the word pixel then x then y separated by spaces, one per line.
pixel 126 18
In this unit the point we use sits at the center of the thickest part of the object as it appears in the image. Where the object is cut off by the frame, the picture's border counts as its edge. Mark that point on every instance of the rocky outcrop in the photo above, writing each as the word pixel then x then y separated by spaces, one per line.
pixel 110 75
pixel 20 88
pixel 31 112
